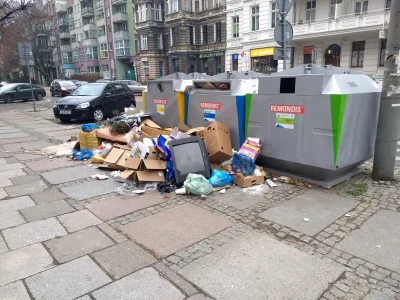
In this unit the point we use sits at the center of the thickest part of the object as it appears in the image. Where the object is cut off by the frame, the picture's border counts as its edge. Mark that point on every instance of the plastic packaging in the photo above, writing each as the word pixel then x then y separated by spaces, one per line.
pixel 166 186
pixel 129 136
pixel 219 178
pixel 242 164
pixel 98 159
pixel 89 127
pixel 198 185
pixel 106 149
pixel 83 154
pixel 170 171
pixel 181 191
pixel 160 142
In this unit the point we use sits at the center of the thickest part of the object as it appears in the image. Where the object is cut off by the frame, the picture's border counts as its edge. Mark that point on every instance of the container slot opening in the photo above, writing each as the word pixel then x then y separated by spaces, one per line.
pixel 288 85
pixel 211 85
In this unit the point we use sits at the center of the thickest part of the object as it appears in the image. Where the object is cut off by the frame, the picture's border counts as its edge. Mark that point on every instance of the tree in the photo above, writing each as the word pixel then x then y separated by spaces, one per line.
pixel 11 9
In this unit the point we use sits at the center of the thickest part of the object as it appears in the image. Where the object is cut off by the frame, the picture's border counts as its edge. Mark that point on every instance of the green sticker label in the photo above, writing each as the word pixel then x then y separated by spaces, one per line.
pixel 284 121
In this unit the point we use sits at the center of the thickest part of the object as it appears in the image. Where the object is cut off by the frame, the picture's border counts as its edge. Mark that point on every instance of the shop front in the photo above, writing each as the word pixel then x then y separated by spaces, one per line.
pixel 209 62
pixel 235 62
pixel 212 62
pixel 262 60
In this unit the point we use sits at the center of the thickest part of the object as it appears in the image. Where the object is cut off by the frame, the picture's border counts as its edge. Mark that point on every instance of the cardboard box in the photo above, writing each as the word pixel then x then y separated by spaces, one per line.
pixel 133 163
pixel 218 142
pixel 128 175
pixel 139 150
pixel 149 123
pixel 116 157
pixel 250 149
pixel 104 133
pixel 183 127
pixel 198 131
pixel 149 176
pixel 153 153
pixel 139 136
pixel 247 181
pixel 152 165
pixel 89 140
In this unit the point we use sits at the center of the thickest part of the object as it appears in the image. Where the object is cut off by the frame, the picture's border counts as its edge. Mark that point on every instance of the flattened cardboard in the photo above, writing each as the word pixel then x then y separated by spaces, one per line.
pixel 104 133
pixel 149 123
pixel 133 163
pixel 121 161
pixel 247 181
pixel 183 127
pixel 218 142
pixel 153 153
pixel 199 131
pixel 112 158
pixel 150 164
pixel 139 136
pixel 128 174
pixel 150 176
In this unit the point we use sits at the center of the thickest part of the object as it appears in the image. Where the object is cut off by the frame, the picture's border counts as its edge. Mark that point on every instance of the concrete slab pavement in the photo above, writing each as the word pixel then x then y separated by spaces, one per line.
pixel 14 291
pixel 91 189
pixel 69 174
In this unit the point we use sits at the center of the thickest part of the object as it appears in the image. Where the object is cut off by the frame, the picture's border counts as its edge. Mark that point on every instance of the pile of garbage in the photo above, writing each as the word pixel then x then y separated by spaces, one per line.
pixel 196 161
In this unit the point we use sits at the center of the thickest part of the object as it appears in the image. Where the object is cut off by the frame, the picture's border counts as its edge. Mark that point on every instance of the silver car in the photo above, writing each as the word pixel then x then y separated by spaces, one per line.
pixel 134 86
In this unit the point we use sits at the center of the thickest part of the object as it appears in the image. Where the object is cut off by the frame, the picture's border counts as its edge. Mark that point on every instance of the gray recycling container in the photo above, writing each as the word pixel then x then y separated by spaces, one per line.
pixel 317 124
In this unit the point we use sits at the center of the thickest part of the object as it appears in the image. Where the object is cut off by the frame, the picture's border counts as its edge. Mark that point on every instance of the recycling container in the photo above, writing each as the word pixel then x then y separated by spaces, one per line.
pixel 317 124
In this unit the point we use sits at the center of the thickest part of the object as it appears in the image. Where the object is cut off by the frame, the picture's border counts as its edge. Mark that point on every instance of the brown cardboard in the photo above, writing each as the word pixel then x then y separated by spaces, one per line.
pixel 218 142
pixel 199 131
pixel 121 161
pixel 104 133
pixel 150 176
pixel 247 181
pixel 139 136
pixel 128 174
pixel 154 164
pixel 149 123
pixel 113 157
pixel 133 163
pixel 183 127
pixel 216 167
pixel 150 131
pixel 89 140
pixel 153 153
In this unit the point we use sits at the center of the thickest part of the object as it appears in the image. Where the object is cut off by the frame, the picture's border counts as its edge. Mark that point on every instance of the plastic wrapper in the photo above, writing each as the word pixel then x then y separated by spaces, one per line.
pixel 219 178
pixel 106 149
pixel 170 171
pixel 98 159
pixel 129 136
pixel 242 164
pixel 83 154
pixel 166 186
pixel 89 127
pixel 160 142
pixel 198 185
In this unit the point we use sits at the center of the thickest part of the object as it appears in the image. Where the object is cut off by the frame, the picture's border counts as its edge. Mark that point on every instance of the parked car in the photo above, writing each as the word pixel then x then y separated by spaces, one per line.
pixel 21 91
pixel 78 82
pixel 135 86
pixel 62 87
pixel 94 101
pixel 103 80
pixel 3 83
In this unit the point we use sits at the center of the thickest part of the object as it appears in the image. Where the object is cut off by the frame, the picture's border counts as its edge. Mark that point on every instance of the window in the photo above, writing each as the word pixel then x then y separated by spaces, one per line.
pixel 357 54
pixel 101 31
pixel 175 36
pixel 142 12
pixel 105 71
pixel 217 3
pixel 218 33
pixel 103 50
pixel 161 67
pixel 332 11
pixel 204 63
pixel 310 11
pixel 382 53
pixel 173 6
pixel 235 65
pixel 160 41
pixel 361 7
pixel 122 48
pixel 191 35
pixel 274 14
pixel 100 16
pixel 122 9
pixel 157 12
pixel 189 5
pixel 204 5
pixel 91 53
pixel 218 64
pixel 82 54
pixel 77 70
pixel 107 12
pixel 75 56
pixel 109 89
pixel 136 46
pixel 93 69
pixel 235 26
pixel 143 42
pixel 124 26
pixel 255 18
pixel 119 89
pixel 388 4
pixel 204 34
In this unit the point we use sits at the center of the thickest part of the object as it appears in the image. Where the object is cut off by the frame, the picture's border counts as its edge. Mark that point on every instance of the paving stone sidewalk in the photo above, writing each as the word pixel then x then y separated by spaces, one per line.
pixel 66 236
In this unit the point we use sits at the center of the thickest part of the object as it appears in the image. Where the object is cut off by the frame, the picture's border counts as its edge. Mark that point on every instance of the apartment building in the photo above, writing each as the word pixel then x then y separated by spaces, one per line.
pixel 196 31
pixel 350 34
pixel 151 37
pixel 96 36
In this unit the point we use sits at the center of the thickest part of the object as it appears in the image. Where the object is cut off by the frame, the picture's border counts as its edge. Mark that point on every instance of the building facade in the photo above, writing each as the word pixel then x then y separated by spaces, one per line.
pixel 196 31
pixel 95 37
pixel 151 39
pixel 349 34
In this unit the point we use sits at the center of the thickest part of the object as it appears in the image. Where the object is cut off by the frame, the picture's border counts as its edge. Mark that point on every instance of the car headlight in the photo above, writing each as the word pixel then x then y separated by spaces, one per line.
pixel 83 105
pixel 55 104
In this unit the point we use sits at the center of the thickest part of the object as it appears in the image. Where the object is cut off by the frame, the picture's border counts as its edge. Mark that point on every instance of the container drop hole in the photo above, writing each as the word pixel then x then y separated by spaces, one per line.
pixel 288 85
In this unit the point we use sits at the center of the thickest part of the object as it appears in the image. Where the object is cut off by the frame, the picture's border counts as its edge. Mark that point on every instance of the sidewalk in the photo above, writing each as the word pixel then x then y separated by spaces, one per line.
pixel 64 235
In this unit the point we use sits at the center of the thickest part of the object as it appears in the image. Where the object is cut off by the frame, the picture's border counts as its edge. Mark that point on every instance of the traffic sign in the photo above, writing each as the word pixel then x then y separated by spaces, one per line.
pixel 279 53
pixel 280 38
pixel 284 5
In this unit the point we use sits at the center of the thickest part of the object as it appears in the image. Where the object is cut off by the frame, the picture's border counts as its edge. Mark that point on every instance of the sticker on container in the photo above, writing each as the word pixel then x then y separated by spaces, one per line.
pixel 160 101
pixel 160 109
pixel 209 115
pixel 287 108
pixel 210 105
pixel 285 121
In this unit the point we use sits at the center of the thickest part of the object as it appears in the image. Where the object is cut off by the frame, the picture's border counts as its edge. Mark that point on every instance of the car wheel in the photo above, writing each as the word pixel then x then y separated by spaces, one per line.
pixel 9 98
pixel 39 96
pixel 98 114
pixel 132 105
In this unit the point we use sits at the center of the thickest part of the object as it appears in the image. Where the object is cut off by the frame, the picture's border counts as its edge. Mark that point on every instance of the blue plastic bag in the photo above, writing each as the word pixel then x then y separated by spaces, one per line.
pixel 219 178
pixel 170 171
pixel 160 143
pixel 89 127
pixel 83 154
pixel 242 164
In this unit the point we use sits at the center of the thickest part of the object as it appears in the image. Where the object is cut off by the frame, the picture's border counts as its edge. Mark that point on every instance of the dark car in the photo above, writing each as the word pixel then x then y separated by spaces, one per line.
pixel 21 91
pixel 135 86
pixel 94 101
pixel 62 87
pixel 78 83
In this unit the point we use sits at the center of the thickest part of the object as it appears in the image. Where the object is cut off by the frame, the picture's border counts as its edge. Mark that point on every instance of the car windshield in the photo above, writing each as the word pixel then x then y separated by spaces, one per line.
pixel 89 90
pixel 9 87
pixel 66 83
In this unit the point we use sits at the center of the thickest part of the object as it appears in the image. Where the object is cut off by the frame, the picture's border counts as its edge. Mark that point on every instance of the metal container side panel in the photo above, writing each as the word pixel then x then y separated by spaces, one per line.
pixel 227 114
pixel 309 85
pixel 309 142
pixel 269 85
pixel 359 128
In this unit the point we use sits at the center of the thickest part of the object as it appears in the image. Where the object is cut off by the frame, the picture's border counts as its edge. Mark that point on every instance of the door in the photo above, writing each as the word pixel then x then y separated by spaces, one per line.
pixel 122 96
pixel 109 100
pixel 24 92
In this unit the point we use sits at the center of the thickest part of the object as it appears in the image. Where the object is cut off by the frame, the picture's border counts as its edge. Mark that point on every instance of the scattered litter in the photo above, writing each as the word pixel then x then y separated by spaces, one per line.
pixel 150 187
pixel 219 178
pixel 271 183
pixel 379 246
pixel 181 191
pixel 50 156
pixel 83 154
pixel 198 185
pixel 222 191
pixel 306 220
pixel 89 127
pixel 166 186
pixel 65 152
pixel 347 215
pixel 99 176
pixel 139 192
pixel 115 174
pixel 203 196
pixel 256 190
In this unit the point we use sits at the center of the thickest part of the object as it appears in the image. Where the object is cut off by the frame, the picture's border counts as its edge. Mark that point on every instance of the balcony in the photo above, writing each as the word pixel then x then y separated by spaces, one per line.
pixel 87 12
pixel 67 60
pixel 102 39
pixel 121 35
pixel 43 48
pixel 71 16
pixel 120 17
pixel 122 52
pixel 90 42
pixel 99 5
pixel 61 7
pixel 66 48
pixel 118 2
pixel 63 22
pixel 43 32
pixel 89 26
pixel 64 35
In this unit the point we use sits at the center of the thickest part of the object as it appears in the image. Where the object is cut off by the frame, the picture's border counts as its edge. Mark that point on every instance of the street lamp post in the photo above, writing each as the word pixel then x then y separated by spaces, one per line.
pixel 29 76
